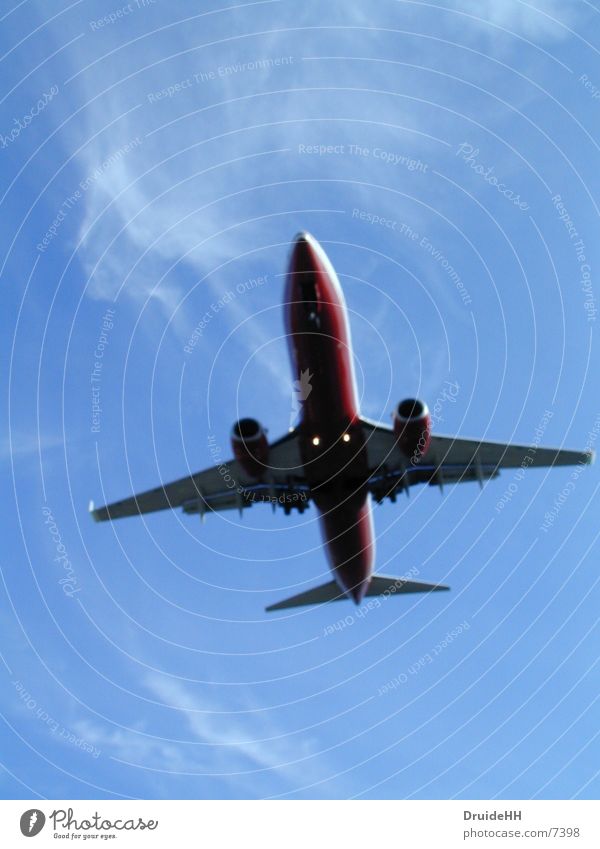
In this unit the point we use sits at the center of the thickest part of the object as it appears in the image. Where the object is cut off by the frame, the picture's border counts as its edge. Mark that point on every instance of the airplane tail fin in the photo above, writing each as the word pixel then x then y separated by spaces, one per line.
pixel 383 585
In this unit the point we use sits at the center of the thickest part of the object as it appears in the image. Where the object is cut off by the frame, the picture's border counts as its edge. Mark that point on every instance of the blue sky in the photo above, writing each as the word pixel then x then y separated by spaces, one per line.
pixel 445 155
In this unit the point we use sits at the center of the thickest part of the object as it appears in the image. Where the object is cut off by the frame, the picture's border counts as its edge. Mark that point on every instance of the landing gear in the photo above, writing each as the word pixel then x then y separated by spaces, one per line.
pixel 300 505
pixel 390 489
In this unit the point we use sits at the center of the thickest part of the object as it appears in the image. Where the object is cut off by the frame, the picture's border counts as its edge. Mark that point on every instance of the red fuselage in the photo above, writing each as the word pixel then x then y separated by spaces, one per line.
pixel 331 437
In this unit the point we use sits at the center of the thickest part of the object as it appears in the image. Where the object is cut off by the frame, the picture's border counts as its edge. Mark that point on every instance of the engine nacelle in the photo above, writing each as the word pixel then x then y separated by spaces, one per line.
pixel 412 426
pixel 250 446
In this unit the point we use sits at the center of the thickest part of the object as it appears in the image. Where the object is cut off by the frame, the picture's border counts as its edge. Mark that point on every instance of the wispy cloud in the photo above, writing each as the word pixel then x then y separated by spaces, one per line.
pixel 189 191
pixel 542 20
pixel 200 200
pixel 231 746
pixel 251 739
pixel 22 445
pixel 132 746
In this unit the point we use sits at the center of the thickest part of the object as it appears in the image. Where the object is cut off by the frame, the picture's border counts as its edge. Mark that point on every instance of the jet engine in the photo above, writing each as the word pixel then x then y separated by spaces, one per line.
pixel 250 446
pixel 412 426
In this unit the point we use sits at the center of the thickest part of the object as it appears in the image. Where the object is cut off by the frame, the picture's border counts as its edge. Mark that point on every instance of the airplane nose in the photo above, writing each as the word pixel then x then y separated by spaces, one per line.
pixel 303 257
pixel 302 242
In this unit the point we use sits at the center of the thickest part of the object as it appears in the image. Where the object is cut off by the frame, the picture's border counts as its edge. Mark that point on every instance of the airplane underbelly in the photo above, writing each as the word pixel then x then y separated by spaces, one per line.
pixel 328 372
pixel 347 530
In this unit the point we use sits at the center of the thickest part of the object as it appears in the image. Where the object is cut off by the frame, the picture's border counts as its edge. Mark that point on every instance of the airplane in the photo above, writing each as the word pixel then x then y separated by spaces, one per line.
pixel 335 457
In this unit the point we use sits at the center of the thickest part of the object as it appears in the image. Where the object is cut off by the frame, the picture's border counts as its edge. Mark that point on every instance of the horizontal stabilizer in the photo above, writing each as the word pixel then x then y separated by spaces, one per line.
pixel 384 585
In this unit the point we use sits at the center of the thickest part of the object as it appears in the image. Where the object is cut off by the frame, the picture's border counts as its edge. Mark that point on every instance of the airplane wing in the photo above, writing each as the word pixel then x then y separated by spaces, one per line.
pixel 223 487
pixel 453 459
